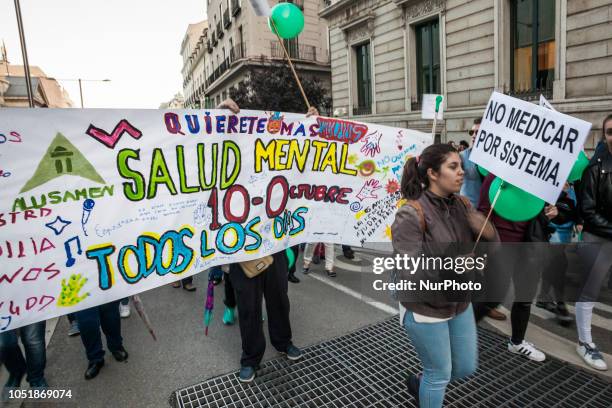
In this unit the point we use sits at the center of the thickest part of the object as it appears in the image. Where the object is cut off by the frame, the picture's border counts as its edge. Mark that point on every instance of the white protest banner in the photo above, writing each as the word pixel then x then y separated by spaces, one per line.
pixel 529 146
pixel 97 205
pixel 428 107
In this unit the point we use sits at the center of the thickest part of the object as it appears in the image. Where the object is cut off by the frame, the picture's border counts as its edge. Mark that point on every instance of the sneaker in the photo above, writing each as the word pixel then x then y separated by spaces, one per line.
pixel 526 349
pixel 40 385
pixel 293 353
pixel 74 329
pixel 306 271
pixel 14 381
pixel 331 273
pixel 124 310
pixel 247 374
pixel 229 315
pixel 591 355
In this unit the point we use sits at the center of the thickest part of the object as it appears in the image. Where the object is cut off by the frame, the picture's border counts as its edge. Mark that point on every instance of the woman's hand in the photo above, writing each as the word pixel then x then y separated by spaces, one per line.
pixel 312 111
pixel 550 211
pixel 229 104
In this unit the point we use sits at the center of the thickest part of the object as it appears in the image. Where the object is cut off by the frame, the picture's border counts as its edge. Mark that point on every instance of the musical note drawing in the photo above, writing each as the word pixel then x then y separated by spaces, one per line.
pixel 88 205
pixel 70 259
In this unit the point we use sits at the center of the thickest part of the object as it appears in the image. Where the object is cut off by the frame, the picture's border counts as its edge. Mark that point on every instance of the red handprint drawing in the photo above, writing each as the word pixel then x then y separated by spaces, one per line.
pixel 368 189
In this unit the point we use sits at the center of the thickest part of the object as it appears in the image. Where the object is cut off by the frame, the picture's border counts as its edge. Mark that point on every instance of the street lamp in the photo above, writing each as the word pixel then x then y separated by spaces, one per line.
pixel 80 80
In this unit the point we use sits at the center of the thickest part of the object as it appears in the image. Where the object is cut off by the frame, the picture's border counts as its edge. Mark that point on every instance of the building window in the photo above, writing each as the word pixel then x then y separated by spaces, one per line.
pixel 292 47
pixel 428 58
pixel 364 80
pixel 533 46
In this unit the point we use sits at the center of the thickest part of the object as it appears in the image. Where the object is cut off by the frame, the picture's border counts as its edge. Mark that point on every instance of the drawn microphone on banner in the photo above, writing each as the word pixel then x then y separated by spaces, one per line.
pixel 88 205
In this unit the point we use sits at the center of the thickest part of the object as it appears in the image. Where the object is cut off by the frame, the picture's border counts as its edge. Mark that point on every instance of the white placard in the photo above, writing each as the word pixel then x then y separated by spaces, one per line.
pixel 529 146
pixel 428 108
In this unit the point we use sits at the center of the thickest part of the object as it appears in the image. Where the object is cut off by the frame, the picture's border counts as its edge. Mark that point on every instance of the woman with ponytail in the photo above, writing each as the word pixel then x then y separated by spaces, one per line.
pixel 433 219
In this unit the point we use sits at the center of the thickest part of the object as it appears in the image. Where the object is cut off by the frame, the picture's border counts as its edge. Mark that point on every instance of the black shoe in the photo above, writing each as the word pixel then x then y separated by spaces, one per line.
pixel 293 279
pixel 550 306
pixel 93 369
pixel 349 254
pixel 563 315
pixel 414 383
pixel 120 355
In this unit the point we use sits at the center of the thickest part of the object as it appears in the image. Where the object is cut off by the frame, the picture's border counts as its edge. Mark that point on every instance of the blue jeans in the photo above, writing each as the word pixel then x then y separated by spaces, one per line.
pixel 448 351
pixel 33 339
pixel 90 321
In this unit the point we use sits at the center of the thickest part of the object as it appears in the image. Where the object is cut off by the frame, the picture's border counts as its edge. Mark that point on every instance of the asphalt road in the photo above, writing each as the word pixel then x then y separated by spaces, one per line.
pixel 321 308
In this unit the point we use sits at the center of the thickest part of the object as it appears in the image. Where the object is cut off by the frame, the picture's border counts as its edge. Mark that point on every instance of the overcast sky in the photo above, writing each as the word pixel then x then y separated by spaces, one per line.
pixel 135 43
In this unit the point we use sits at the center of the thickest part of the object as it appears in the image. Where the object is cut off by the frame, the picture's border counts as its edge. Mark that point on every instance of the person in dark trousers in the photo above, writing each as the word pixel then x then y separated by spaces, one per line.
pixel 554 274
pixel 516 263
pixel 90 321
pixel 271 284
pixel 595 205
pixel 33 340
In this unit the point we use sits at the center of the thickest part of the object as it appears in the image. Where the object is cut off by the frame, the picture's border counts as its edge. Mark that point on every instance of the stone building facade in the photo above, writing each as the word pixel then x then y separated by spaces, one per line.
pixel 235 39
pixel 386 53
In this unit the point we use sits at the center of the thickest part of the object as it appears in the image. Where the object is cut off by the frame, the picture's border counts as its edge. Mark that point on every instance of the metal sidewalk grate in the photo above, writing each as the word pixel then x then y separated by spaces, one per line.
pixel 367 368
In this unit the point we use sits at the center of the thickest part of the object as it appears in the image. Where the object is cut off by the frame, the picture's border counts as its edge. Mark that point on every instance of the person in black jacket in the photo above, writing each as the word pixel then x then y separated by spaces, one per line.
pixel 596 210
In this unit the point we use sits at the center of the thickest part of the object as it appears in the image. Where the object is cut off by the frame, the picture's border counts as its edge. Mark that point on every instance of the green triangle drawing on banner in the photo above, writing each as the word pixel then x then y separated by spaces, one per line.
pixel 62 158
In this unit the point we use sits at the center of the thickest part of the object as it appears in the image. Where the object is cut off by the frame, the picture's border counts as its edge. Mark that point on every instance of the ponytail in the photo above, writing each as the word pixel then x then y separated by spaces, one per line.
pixel 414 177
pixel 412 183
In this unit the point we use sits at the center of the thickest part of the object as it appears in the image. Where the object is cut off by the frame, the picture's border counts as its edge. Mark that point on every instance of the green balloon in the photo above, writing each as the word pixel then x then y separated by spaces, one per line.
pixel 513 203
pixel 288 19
pixel 483 172
pixel 581 164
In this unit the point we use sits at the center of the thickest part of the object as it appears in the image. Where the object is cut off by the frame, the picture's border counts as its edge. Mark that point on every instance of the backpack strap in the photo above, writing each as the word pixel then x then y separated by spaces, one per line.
pixel 419 210
pixel 466 202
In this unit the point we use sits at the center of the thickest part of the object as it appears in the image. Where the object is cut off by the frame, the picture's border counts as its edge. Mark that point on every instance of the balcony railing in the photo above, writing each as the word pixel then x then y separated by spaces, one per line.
pixel 301 52
pixel 227 21
pixel 531 94
pixel 219 30
pixel 362 110
pixel 237 52
pixel 235 7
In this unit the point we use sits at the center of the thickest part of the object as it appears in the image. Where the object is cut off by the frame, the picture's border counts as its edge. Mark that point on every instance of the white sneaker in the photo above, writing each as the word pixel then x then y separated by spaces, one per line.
pixel 124 310
pixel 526 349
pixel 591 355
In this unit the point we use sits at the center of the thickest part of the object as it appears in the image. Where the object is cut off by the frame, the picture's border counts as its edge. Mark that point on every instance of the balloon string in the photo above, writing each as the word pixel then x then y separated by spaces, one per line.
pixel 290 63
pixel 488 215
